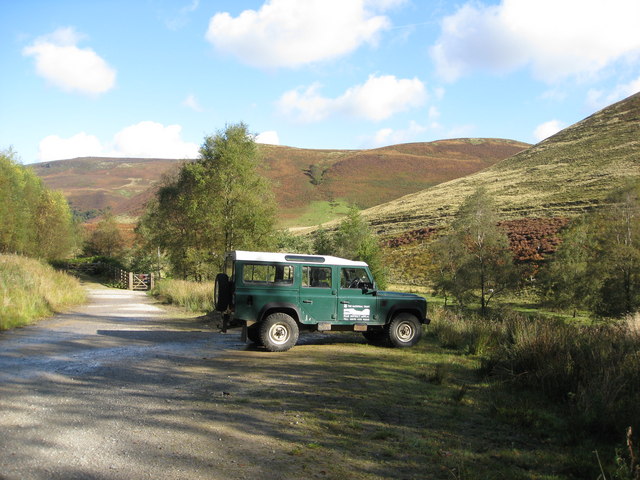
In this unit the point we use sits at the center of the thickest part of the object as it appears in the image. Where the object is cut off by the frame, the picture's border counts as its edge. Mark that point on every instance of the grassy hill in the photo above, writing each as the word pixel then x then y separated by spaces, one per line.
pixel 562 176
pixel 311 186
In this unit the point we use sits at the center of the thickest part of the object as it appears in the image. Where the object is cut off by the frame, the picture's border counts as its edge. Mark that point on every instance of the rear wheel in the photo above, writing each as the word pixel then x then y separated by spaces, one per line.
pixel 375 337
pixel 405 330
pixel 253 334
pixel 279 332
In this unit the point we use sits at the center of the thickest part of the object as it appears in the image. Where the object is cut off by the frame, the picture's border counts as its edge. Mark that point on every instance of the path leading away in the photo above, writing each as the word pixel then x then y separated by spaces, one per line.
pixel 121 389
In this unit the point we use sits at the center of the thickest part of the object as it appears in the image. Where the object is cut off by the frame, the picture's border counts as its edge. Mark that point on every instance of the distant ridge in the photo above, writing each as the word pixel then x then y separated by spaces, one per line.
pixel 302 178
pixel 564 175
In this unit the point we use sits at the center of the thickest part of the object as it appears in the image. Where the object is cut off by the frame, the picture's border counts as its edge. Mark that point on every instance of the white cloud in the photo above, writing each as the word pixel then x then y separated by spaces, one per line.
pixel 269 137
pixel 145 139
pixel 181 19
pixel 54 147
pixel 290 33
pixel 192 102
pixel 547 129
pixel 597 99
pixel 378 98
pixel 389 136
pixel 60 61
pixel 152 139
pixel 558 39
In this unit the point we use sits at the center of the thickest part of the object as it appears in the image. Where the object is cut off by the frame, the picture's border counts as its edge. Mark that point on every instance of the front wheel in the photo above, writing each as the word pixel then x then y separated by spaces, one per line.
pixel 279 332
pixel 405 330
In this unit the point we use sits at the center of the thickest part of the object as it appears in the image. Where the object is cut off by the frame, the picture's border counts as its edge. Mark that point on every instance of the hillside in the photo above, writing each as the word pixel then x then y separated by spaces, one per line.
pixel 92 183
pixel 564 175
pixel 304 179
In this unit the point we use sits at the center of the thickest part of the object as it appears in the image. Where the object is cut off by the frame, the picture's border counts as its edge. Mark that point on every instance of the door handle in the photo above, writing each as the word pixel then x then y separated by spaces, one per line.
pixel 344 302
pixel 307 301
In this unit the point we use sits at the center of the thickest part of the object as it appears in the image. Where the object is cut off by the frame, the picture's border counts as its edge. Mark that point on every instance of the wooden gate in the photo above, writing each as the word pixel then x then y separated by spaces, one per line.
pixel 140 281
pixel 118 277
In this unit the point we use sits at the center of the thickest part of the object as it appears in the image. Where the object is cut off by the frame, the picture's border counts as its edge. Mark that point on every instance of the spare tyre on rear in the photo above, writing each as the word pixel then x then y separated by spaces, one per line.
pixel 222 292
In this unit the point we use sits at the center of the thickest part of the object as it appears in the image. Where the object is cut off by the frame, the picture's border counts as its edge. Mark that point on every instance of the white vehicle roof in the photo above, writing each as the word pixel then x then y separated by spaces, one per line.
pixel 293 258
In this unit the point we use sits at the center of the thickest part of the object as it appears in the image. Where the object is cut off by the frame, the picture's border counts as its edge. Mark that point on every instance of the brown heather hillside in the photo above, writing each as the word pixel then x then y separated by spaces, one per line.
pixel 566 174
pixel 99 182
pixel 302 177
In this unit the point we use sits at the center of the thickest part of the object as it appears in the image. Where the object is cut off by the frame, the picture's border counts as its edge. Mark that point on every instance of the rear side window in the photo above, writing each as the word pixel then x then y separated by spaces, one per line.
pixel 261 274
pixel 318 277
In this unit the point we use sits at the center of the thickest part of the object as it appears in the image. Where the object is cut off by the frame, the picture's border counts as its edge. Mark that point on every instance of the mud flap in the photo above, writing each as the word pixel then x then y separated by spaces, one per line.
pixel 244 335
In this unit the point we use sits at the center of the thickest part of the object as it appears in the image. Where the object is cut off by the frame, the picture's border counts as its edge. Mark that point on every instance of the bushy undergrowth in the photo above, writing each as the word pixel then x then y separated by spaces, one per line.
pixel 30 290
pixel 594 370
pixel 194 296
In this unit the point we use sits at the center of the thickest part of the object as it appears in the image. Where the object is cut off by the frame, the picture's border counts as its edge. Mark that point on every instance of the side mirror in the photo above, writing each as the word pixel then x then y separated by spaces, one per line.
pixel 369 289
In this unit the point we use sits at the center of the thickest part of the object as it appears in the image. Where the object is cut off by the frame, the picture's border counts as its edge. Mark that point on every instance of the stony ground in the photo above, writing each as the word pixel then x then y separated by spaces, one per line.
pixel 122 389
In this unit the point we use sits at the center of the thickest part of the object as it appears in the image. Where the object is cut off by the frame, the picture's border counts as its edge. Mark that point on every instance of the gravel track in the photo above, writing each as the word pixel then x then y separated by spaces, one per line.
pixel 122 389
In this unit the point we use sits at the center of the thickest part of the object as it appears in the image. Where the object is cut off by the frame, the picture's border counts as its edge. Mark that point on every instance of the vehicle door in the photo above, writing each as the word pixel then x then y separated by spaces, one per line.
pixel 356 302
pixel 318 294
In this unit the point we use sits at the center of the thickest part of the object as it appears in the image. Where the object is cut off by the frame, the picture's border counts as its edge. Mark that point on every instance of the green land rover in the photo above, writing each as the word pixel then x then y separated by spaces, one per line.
pixel 276 295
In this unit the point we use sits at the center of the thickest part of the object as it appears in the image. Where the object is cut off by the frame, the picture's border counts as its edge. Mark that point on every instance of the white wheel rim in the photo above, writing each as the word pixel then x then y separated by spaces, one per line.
pixel 279 334
pixel 405 331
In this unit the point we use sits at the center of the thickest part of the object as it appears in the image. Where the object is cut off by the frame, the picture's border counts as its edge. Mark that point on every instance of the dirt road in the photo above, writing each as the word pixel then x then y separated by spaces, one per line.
pixel 122 389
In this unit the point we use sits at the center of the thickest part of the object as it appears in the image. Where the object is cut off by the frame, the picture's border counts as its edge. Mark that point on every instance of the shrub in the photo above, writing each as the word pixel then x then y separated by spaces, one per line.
pixel 593 370
pixel 194 296
pixel 30 290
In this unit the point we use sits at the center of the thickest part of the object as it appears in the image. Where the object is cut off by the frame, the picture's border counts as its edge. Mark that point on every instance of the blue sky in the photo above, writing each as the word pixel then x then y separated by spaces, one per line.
pixel 152 78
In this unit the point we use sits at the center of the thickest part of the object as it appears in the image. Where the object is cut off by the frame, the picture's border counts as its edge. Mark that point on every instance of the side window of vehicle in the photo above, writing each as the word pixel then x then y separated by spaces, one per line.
pixel 267 274
pixel 317 277
pixel 355 278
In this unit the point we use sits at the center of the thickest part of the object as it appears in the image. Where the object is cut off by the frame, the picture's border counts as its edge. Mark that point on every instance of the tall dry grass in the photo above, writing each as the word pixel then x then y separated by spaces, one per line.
pixel 594 370
pixel 194 296
pixel 30 290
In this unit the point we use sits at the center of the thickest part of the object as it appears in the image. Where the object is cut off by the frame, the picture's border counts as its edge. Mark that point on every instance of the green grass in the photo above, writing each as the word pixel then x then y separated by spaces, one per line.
pixel 319 212
pixel 195 297
pixel 567 174
pixel 30 290
pixel 354 411
pixel 507 397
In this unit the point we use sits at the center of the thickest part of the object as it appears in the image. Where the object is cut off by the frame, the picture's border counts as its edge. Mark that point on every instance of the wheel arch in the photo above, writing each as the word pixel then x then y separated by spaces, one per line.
pixel 394 312
pixel 279 307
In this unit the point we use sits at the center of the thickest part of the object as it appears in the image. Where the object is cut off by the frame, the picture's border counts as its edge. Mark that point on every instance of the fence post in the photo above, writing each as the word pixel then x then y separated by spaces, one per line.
pixel 152 281
pixel 130 281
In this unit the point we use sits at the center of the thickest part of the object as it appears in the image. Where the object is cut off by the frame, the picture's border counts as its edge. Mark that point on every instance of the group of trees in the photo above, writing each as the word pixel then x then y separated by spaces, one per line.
pixel 212 205
pixel 34 220
pixel 220 203
pixel 597 266
pixel 473 262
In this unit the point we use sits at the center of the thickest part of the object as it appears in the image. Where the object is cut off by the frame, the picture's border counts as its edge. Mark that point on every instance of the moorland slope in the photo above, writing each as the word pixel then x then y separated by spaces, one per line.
pixel 302 178
pixel 564 175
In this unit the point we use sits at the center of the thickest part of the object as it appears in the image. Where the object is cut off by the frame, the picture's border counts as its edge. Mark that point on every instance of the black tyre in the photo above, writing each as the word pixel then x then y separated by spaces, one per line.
pixel 279 332
pixel 253 334
pixel 376 337
pixel 222 292
pixel 404 330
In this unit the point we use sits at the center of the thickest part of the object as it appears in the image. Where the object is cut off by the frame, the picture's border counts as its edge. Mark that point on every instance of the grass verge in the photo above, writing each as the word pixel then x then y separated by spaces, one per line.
pixel 511 396
pixel 30 290
pixel 344 409
pixel 193 296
